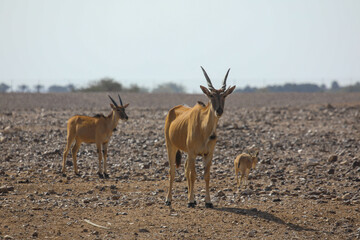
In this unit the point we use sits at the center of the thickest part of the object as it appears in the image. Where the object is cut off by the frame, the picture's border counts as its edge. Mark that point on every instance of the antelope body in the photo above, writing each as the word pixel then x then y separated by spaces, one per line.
pixel 243 163
pixel 193 130
pixel 96 130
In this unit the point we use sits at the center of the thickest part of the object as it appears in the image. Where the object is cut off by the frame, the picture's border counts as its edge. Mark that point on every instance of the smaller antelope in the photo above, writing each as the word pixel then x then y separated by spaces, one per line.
pixel 97 129
pixel 243 163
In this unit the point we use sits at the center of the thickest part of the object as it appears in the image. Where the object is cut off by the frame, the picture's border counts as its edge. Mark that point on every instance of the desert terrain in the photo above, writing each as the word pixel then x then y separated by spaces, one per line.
pixel 305 186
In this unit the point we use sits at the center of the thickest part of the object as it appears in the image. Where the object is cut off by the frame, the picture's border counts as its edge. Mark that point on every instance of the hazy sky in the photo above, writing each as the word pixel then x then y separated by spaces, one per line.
pixel 150 42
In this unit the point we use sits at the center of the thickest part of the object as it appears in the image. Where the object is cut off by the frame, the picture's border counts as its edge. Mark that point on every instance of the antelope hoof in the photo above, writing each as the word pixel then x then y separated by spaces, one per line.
pixel 168 203
pixel 106 175
pixel 100 175
pixel 209 205
pixel 191 204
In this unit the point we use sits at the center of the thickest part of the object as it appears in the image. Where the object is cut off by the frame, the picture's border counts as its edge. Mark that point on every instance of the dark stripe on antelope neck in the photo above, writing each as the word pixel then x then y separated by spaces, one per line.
pixel 213 136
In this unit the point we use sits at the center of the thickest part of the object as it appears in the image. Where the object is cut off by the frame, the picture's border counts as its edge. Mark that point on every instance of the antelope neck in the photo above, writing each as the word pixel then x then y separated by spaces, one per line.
pixel 211 119
pixel 113 119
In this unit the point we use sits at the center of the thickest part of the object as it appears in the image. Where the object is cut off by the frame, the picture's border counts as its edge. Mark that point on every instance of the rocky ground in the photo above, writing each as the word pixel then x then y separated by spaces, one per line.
pixel 306 186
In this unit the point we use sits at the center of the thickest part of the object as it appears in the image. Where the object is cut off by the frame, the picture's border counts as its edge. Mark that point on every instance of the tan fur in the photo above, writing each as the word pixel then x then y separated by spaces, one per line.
pixel 193 130
pixel 96 130
pixel 189 130
pixel 243 163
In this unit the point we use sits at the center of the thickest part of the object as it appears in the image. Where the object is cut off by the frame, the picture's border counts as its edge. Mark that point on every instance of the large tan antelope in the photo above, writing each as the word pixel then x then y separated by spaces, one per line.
pixel 96 130
pixel 193 130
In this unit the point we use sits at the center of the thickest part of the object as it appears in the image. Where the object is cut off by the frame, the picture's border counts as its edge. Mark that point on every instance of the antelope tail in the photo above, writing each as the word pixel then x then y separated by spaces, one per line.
pixel 178 158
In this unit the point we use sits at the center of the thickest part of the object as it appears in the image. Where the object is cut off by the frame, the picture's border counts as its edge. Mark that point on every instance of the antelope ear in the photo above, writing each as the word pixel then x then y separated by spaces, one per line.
pixel 112 106
pixel 205 90
pixel 229 91
pixel 126 105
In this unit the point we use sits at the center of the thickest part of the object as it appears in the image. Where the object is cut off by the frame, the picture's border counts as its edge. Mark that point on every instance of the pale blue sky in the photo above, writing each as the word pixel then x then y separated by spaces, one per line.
pixel 150 42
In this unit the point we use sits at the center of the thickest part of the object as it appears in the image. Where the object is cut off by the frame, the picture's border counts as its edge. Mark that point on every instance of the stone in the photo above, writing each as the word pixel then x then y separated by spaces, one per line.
pixel 347 196
pixel 252 233
pixel 115 197
pixel 356 164
pixel 311 162
pixel 247 192
pixel 6 189
pixel 332 158
pixel 220 194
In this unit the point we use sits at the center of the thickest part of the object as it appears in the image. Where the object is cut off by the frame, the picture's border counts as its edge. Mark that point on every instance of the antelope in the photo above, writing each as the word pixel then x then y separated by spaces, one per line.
pixel 193 130
pixel 97 129
pixel 243 163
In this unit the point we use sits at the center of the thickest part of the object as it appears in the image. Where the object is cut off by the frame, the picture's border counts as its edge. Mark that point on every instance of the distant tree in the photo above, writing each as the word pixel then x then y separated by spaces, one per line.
pixel 57 88
pixel 23 88
pixel 290 87
pixel 323 87
pixel 38 88
pixel 335 86
pixel 133 88
pixel 104 85
pixel 71 88
pixel 352 88
pixel 249 89
pixel 3 87
pixel 169 88
pixel 305 87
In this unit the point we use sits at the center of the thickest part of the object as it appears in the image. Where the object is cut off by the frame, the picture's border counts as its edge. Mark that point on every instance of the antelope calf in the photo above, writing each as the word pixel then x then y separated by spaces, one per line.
pixel 96 130
pixel 243 163
pixel 193 130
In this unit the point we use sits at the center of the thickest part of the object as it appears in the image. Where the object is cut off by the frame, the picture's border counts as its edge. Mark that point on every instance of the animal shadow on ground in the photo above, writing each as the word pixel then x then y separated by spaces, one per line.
pixel 264 215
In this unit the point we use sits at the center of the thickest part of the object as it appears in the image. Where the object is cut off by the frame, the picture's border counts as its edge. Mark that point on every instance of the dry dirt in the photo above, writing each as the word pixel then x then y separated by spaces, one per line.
pixel 306 186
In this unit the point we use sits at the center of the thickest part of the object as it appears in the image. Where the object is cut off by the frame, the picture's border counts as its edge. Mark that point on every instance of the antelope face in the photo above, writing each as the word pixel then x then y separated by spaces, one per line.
pixel 255 158
pixel 217 99
pixel 120 110
pixel 217 96
pixel 254 161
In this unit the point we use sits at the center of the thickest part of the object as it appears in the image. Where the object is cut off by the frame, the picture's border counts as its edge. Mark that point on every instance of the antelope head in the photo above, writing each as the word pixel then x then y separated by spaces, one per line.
pixel 120 110
pixel 217 96
pixel 254 153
